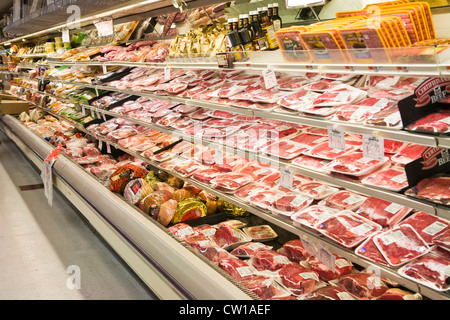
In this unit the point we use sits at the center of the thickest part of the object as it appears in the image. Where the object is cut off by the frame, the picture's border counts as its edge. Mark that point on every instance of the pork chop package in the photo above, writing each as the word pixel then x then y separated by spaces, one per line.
pixel 393 179
pixel 312 215
pixel 355 164
pixel 427 225
pixel 343 200
pixel 363 284
pixel 341 267
pixel 347 228
pixel 431 270
pixel 435 189
pixel 368 250
pixel 382 212
pixel 400 245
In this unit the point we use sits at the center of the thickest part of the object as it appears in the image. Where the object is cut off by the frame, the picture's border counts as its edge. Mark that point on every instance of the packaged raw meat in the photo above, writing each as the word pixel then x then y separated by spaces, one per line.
pixel 434 189
pixel 294 250
pixel 263 198
pixel 163 156
pixel 298 279
pixel 399 294
pixel 181 230
pixel 430 270
pixel 234 223
pixel 392 146
pixel 313 163
pixel 328 293
pixel 247 250
pixel 436 122
pixel 229 238
pixel 206 175
pixel 312 215
pixel 292 83
pixel 343 200
pixel 347 228
pixel 355 164
pixel 363 285
pixel 443 240
pixel 369 251
pixel 323 112
pixel 317 190
pixel 299 99
pixel 383 212
pixel 230 181
pixel 324 151
pixel 237 268
pixel 428 226
pixel 393 178
pixel 203 229
pixel 341 267
pixel 260 233
pixel 249 190
pixel 401 244
pixel 267 96
pixel 395 94
pixel 321 85
pixel 290 203
pixel 265 287
pixel 339 95
pixel 388 117
pixel 284 149
pixel 353 113
pixel 408 153
pixel 257 170
pixel 268 260
pixel 187 168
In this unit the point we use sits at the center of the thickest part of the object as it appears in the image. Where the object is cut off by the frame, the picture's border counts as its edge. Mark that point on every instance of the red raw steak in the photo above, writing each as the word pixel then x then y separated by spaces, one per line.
pixel 427 225
pixel 363 285
pixel 383 212
pixel 298 279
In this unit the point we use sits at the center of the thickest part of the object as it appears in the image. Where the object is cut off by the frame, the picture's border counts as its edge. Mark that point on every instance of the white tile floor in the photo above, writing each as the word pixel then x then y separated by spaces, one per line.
pixel 39 244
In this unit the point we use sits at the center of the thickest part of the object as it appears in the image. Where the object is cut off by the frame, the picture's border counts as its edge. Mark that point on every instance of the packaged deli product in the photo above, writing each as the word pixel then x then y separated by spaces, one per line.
pixel 189 209
pixel 400 245
pixel 260 233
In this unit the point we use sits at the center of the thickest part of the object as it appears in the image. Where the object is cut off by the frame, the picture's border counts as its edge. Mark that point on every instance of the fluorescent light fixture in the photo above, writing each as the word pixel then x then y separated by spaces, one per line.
pixel 93 18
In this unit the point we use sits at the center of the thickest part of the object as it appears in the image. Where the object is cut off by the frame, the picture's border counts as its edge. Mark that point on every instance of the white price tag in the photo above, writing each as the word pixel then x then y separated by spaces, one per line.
pixel 47 179
pixel 108 148
pixel 218 155
pixel 326 257
pixel 270 80
pixel 103 116
pixel 83 111
pixel 336 138
pixel 373 147
pixel 92 113
pixel 286 178
pixel 309 246
pixel 65 35
pixel 166 73
pixel 105 69
pixel 105 27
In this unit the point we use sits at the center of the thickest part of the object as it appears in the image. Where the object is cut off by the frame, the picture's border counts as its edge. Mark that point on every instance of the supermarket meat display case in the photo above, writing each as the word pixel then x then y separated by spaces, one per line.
pixel 317 160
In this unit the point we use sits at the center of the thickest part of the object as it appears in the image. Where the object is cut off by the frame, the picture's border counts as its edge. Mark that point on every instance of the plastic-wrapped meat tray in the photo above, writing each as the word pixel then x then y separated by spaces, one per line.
pixel 400 245
pixel 247 250
pixel 317 190
pixel 436 122
pixel 290 203
pixel 434 189
pixel 299 99
pixel 298 279
pixel 228 237
pixel 355 164
pixel 324 151
pixel 206 175
pixel 187 168
pixel 231 181
pixel 369 251
pixel 430 270
pixel 268 260
pixel 347 228
pixel 428 226
pixel 388 117
pixel 338 96
pixel 263 198
pixel 408 153
pixel 383 212
pixel 249 190
pixel 260 233
pixel 257 170
pixel 312 215
pixel 393 179
pixel 313 163
pixel 237 268
pixel 343 200
pixel 284 149
pixel 341 267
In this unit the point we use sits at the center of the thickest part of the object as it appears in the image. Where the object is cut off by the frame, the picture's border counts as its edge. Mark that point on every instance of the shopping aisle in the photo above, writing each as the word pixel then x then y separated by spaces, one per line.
pixel 45 248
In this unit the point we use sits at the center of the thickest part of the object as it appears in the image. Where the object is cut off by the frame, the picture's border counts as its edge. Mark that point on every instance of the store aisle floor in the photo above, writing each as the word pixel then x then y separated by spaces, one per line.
pixel 50 252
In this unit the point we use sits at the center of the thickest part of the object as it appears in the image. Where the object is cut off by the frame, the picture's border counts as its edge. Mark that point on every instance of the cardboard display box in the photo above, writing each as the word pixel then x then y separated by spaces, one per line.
pixel 4 96
pixel 13 107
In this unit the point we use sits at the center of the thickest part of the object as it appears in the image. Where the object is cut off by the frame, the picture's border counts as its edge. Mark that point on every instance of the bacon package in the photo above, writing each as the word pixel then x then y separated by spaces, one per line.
pixel 401 244
pixel 347 228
